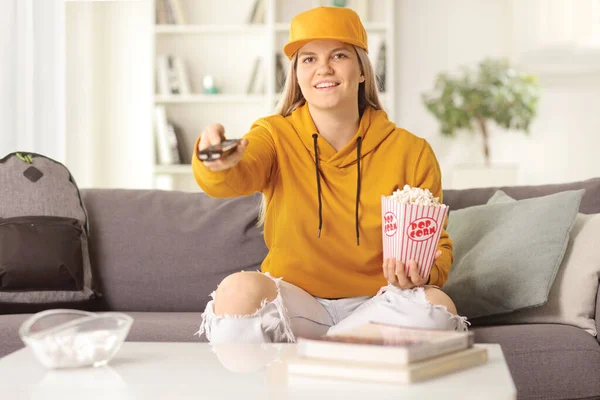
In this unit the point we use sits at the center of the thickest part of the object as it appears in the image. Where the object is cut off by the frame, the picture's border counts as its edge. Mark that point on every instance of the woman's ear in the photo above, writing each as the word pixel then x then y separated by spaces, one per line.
pixel 362 78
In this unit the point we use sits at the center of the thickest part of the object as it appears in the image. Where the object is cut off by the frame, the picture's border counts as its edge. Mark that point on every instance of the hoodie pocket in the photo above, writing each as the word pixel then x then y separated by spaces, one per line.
pixel 40 253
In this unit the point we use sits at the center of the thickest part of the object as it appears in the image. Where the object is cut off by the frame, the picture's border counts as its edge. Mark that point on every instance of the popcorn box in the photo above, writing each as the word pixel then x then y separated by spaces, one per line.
pixel 411 232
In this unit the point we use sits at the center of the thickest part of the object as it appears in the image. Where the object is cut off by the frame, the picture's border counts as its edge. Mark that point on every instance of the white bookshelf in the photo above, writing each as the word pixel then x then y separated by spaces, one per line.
pixel 369 26
pixel 217 40
pixel 206 98
pixel 233 29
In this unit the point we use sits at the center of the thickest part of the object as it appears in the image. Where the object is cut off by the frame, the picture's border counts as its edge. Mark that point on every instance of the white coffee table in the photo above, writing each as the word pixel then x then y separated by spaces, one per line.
pixel 143 370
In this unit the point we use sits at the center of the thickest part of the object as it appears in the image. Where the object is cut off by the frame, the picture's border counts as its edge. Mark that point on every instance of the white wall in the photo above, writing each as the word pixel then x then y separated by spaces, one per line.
pixel 109 93
pixel 436 35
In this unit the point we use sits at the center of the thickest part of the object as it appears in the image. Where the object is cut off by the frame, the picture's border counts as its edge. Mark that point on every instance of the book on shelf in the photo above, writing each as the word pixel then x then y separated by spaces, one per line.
pixel 280 72
pixel 169 12
pixel 384 344
pixel 161 12
pixel 256 82
pixel 257 12
pixel 377 55
pixel 169 139
pixel 380 70
pixel 172 76
pixel 182 75
pixel 385 373
pixel 178 148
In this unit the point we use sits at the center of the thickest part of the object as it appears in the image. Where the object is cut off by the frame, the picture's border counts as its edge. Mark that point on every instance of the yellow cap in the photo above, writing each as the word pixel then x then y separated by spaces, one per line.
pixel 334 23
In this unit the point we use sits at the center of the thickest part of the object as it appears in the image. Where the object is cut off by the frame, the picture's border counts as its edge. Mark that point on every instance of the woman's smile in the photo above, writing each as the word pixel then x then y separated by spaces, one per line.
pixel 326 85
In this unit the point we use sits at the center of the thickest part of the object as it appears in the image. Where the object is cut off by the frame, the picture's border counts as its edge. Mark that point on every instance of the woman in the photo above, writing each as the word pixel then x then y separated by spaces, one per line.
pixel 322 164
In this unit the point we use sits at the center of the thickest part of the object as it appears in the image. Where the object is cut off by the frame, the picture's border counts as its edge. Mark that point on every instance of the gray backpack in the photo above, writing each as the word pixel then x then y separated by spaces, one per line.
pixel 44 233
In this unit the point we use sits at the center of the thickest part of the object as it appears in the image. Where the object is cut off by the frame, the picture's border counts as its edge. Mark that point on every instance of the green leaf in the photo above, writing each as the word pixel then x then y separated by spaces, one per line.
pixel 493 90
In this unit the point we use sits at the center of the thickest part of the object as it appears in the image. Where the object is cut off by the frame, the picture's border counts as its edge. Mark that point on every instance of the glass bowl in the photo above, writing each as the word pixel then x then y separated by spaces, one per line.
pixel 72 338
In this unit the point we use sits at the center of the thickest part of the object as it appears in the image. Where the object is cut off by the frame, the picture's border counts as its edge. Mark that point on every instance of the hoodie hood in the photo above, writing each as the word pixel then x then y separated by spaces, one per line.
pixel 374 128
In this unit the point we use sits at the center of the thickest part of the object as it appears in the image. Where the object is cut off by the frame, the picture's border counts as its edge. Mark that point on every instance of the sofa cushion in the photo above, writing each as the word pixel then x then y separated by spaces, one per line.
pixel 165 327
pixel 9 332
pixel 147 327
pixel 167 250
pixel 548 361
pixel 506 255
pixel 590 203
pixel 572 298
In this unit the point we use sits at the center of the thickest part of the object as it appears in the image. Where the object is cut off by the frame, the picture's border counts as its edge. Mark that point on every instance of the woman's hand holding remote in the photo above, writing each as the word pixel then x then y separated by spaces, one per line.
pixel 214 135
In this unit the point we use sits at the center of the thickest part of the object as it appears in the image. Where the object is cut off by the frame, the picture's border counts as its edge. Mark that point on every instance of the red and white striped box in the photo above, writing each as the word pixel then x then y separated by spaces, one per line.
pixel 411 232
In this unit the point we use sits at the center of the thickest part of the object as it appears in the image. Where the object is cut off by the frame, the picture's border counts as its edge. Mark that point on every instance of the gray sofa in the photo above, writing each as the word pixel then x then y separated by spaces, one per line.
pixel 158 255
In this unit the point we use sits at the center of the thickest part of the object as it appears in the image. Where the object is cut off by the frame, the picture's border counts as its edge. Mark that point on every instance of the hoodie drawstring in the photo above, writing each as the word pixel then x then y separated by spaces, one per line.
pixel 358 145
pixel 315 136
pixel 356 222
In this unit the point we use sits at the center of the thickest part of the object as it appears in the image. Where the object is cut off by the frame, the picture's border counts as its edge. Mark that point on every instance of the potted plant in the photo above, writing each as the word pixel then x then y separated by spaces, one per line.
pixel 492 92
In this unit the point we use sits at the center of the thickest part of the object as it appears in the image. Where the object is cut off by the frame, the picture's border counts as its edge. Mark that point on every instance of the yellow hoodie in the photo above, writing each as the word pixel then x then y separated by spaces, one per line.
pixel 280 162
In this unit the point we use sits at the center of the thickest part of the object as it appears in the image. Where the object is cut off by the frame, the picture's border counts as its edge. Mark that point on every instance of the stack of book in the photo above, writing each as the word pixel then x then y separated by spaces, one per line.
pixel 386 353
pixel 172 75
pixel 169 137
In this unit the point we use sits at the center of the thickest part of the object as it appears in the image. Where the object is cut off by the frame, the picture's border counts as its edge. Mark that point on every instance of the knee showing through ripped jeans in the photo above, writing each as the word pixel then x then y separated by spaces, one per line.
pixel 249 309
pixel 243 293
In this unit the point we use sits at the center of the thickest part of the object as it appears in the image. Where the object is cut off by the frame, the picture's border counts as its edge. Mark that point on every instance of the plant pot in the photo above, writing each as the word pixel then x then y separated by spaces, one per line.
pixel 465 176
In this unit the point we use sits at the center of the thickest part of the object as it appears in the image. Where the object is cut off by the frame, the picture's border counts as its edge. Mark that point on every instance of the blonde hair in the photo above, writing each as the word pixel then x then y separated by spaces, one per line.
pixel 292 98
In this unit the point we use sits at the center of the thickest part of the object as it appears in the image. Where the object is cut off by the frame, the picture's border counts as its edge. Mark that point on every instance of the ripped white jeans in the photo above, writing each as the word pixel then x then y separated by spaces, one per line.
pixel 295 312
